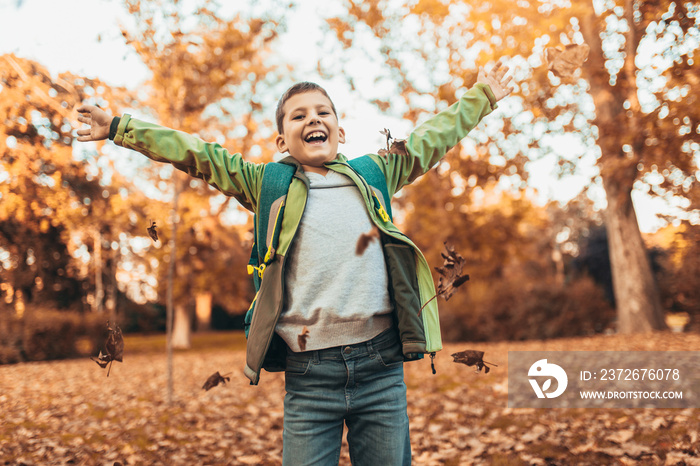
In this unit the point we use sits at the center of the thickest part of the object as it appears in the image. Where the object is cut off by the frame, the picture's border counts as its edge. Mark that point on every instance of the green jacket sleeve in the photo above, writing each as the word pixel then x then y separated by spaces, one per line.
pixel 430 141
pixel 228 173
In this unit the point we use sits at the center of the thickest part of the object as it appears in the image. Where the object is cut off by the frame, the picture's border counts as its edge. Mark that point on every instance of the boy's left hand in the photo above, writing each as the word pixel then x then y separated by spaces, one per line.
pixel 496 80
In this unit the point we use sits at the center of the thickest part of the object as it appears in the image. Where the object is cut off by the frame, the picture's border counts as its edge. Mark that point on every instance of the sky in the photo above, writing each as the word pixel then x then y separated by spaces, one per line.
pixel 83 36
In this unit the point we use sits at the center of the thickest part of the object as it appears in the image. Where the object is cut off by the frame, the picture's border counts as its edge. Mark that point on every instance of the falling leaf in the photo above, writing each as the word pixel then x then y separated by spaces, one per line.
pixel 114 349
pixel 302 337
pixel 364 240
pixel 393 146
pixel 564 63
pixel 471 358
pixel 152 231
pixel 451 276
pixel 398 147
pixel 451 273
pixel 214 380
pixel 386 133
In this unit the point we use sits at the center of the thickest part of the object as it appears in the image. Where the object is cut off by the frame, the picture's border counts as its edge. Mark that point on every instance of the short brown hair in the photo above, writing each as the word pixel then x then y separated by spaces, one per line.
pixel 298 88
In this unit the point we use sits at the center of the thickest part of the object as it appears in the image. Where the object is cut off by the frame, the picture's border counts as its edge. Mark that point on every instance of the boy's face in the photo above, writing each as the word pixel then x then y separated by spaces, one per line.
pixel 310 131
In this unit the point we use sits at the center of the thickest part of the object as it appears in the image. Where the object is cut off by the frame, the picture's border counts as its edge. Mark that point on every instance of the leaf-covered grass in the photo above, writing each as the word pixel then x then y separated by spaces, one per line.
pixel 204 341
pixel 69 412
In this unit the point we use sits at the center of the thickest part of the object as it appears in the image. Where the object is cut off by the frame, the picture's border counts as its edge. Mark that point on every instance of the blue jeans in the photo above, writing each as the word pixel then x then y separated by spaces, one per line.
pixel 361 385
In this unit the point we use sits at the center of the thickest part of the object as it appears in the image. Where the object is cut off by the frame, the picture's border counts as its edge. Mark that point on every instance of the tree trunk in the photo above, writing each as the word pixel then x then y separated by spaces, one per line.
pixel 98 299
pixel 636 294
pixel 203 311
pixel 621 143
pixel 170 304
pixel 110 302
pixel 181 327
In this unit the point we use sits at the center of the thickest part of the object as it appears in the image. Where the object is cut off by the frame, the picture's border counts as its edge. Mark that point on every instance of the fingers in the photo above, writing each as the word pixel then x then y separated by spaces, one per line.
pixel 85 135
pixel 85 108
pixel 499 71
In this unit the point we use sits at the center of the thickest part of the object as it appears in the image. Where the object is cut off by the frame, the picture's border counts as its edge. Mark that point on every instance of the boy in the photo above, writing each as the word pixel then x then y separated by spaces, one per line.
pixel 340 324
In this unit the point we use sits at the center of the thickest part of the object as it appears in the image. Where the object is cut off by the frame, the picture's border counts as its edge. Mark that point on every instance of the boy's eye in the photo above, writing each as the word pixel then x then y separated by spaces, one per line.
pixel 298 117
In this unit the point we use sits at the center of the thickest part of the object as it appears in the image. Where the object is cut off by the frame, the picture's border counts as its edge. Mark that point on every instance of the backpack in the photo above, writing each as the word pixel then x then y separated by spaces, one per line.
pixel 275 184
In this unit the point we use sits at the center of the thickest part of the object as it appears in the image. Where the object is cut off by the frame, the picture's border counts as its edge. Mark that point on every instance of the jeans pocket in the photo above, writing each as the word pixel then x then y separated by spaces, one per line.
pixel 297 366
pixel 390 356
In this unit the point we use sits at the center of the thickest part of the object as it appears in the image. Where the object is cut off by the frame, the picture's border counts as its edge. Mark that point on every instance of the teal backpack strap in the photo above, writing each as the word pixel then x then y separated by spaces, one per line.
pixel 273 193
pixel 370 171
pixel 268 219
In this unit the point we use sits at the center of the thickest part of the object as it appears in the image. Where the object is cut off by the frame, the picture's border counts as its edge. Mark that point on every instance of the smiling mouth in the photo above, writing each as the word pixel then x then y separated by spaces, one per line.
pixel 316 137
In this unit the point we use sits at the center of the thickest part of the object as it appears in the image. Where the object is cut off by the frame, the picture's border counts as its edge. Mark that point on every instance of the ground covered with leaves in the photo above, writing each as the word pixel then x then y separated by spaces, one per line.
pixel 69 412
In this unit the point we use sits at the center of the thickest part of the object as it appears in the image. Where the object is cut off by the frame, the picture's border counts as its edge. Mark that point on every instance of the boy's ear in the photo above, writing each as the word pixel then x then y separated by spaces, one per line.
pixel 341 135
pixel 281 144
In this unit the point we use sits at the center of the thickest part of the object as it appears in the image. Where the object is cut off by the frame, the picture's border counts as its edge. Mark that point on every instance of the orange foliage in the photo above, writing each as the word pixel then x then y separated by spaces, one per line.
pixel 207 76
pixel 47 195
pixel 439 65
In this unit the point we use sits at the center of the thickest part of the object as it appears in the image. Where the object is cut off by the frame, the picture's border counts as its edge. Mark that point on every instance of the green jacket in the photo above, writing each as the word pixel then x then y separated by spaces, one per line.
pixel 411 283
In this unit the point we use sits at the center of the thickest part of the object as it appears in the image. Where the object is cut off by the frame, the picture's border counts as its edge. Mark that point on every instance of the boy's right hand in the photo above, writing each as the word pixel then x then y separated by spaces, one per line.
pixel 99 122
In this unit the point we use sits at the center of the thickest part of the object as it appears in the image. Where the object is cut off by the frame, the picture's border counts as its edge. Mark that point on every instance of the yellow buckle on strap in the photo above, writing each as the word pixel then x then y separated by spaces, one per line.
pixel 382 213
pixel 252 268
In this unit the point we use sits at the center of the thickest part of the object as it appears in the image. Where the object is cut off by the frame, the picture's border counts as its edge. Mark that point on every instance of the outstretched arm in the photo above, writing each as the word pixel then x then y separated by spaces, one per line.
pixel 227 172
pixel 98 120
pixel 428 143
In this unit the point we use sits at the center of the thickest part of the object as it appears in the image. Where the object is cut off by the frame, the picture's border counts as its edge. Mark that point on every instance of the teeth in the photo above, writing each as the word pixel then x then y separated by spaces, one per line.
pixel 316 134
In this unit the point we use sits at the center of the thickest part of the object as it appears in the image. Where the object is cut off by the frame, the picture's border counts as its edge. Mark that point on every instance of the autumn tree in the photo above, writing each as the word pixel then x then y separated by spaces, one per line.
pixel 678 256
pixel 208 76
pixel 630 107
pixel 58 206
pixel 51 200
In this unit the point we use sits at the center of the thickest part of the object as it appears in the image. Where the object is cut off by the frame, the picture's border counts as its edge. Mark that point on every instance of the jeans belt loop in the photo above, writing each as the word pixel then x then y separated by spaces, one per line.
pixel 370 347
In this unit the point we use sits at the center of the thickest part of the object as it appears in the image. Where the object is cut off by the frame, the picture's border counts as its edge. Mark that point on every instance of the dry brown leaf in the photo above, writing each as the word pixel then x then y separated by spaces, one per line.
pixel 214 380
pixel 398 147
pixel 473 358
pixel 114 349
pixel 302 337
pixel 564 63
pixel 364 240
pixel 451 274
pixel 393 146
pixel 152 231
